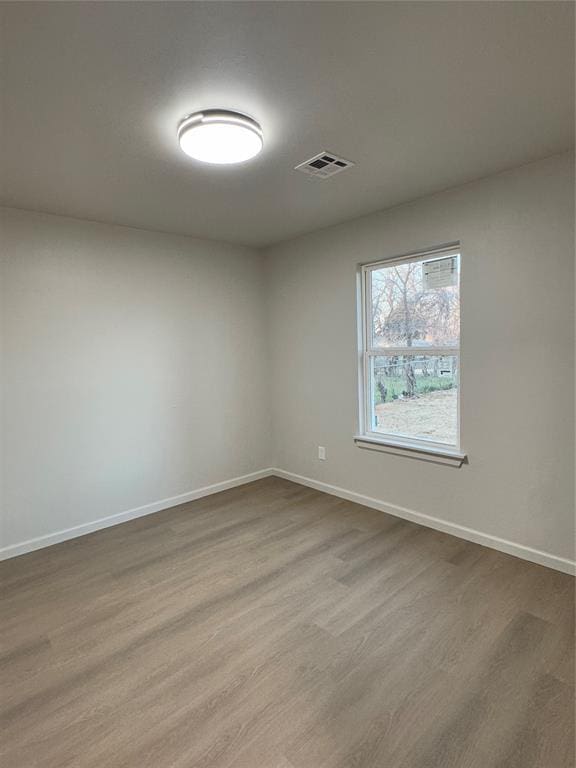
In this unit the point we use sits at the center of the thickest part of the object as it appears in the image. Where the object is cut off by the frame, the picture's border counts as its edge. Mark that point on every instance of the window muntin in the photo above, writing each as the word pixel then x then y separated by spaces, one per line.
pixel 411 354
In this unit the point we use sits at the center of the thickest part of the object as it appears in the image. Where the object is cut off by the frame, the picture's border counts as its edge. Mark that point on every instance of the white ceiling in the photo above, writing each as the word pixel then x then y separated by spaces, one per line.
pixel 421 95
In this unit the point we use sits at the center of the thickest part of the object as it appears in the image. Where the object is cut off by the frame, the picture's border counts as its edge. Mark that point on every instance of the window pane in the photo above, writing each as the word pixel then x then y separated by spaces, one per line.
pixel 416 304
pixel 415 396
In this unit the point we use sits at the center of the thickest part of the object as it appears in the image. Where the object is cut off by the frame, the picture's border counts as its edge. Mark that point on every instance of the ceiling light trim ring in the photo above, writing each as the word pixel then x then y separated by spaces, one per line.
pixel 220 117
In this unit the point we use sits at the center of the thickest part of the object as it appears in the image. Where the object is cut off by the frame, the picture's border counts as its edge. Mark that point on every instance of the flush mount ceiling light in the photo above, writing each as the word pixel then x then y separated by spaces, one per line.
pixel 220 136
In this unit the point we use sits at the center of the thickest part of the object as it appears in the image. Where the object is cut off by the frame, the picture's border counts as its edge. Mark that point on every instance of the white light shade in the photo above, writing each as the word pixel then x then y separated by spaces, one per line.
pixel 221 137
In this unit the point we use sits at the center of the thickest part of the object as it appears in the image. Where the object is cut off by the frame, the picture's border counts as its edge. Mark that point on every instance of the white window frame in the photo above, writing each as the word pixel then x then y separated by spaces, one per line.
pixel 390 442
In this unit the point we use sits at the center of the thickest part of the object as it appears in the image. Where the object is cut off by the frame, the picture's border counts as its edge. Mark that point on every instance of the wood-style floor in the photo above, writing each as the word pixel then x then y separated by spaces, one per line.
pixel 273 626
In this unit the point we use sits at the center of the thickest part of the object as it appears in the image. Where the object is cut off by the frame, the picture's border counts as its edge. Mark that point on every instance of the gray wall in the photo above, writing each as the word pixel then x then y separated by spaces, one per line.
pixel 517 235
pixel 139 366
pixel 133 369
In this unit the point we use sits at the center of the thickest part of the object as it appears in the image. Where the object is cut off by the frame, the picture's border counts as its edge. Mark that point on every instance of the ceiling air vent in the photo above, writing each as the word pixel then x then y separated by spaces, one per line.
pixel 324 165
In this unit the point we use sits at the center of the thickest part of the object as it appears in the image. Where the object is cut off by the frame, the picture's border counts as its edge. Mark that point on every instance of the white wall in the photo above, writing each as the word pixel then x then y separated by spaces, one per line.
pixel 517 235
pixel 133 369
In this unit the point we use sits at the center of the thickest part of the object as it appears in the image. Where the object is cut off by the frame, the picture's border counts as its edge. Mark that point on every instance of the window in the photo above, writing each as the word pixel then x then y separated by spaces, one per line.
pixel 411 351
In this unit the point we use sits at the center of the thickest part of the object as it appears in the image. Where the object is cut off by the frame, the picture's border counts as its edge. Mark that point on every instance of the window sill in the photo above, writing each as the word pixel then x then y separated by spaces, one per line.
pixel 448 456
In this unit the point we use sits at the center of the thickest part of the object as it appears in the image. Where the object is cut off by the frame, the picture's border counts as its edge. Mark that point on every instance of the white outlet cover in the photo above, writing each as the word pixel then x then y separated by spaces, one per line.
pixel 322 453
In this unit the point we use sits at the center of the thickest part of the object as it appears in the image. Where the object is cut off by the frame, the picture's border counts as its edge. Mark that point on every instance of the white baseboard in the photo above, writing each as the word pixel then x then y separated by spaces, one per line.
pixel 470 534
pixel 122 517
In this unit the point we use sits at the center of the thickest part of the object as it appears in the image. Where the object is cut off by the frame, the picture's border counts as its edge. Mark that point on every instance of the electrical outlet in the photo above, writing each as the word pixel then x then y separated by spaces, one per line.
pixel 321 453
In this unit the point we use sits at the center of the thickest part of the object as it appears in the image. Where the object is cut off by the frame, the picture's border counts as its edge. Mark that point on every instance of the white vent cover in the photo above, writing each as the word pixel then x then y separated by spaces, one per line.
pixel 324 165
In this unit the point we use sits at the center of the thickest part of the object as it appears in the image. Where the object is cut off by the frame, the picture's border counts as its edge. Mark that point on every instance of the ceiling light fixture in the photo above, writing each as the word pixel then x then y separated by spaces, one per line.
pixel 220 136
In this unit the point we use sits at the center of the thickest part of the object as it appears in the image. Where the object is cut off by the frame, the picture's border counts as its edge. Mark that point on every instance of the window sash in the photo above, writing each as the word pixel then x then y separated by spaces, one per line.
pixel 368 416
